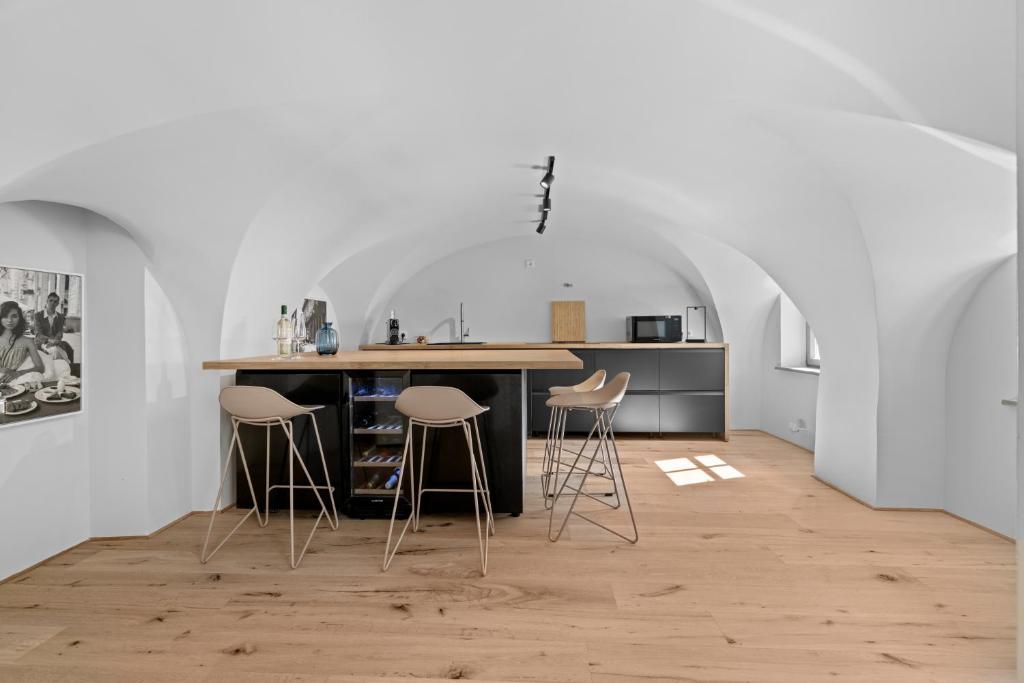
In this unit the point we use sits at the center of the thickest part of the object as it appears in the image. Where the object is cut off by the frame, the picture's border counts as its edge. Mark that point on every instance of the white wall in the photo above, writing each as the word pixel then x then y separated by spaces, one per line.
pixel 121 466
pixel 168 424
pixel 785 396
pixel 44 466
pixel 114 328
pixel 981 433
pixel 506 301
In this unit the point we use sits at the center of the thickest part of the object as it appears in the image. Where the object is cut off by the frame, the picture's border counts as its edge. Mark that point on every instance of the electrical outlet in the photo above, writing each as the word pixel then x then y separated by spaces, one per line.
pixel 530 263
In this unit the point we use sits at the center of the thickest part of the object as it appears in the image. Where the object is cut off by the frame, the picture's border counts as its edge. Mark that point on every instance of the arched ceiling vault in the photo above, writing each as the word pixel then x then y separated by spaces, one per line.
pixel 252 147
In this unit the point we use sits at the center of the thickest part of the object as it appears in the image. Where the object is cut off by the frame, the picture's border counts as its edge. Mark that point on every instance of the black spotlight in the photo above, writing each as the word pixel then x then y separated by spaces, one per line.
pixel 546 205
pixel 541 228
pixel 549 177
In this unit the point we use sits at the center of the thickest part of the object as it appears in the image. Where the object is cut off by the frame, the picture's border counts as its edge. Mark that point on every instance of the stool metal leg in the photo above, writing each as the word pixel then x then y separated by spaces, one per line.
pixel 418 490
pixel 574 469
pixel 603 422
pixel 485 527
pixel 545 467
pixel 266 490
pixel 554 421
pixel 482 535
pixel 292 457
pixel 407 457
pixel 555 464
pixel 235 441
pixel 483 471
pixel 327 476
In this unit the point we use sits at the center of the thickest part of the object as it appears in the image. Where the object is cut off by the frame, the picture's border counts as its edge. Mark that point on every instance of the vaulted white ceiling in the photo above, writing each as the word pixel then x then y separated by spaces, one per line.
pixel 839 144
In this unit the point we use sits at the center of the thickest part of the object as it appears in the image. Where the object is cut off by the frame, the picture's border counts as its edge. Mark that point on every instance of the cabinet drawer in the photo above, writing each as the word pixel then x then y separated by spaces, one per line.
pixel 693 370
pixel 637 413
pixel 703 412
pixel 641 364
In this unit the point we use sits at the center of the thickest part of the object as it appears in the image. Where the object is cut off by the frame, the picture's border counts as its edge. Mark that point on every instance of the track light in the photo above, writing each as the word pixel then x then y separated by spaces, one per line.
pixel 545 206
pixel 549 177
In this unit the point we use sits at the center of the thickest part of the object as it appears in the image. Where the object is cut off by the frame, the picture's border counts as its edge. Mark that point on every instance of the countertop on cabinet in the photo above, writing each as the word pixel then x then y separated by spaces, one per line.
pixel 390 358
pixel 509 346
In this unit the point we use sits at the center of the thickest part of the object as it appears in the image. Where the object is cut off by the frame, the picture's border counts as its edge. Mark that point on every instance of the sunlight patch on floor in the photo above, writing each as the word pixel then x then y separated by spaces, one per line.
pixel 683 471
pixel 687 477
pixel 675 464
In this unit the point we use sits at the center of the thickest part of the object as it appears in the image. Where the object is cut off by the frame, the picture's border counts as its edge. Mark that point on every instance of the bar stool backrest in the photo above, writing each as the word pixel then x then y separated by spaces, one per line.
pixel 258 403
pixel 612 392
pixel 607 396
pixel 595 381
pixel 437 404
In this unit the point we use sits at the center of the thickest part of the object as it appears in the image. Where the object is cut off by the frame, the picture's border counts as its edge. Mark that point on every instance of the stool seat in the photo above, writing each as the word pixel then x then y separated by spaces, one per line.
pixel 604 398
pixel 437 404
pixel 260 404
pixel 595 381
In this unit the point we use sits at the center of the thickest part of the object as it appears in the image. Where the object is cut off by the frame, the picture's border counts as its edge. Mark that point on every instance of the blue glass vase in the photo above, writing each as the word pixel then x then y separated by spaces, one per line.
pixel 327 340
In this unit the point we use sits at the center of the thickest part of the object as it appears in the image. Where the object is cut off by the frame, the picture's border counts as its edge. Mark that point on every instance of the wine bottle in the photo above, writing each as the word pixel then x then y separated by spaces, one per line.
pixel 393 479
pixel 283 334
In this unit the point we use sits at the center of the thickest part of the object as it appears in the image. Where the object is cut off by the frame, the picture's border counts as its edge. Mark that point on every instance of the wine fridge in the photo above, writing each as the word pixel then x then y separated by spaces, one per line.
pixel 376 439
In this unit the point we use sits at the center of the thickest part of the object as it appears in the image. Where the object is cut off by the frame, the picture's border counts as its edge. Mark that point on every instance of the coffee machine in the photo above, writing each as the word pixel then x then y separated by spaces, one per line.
pixel 393 334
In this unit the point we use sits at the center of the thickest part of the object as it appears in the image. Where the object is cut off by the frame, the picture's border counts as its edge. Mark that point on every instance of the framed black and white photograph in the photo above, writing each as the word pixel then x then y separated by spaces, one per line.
pixel 308 321
pixel 40 344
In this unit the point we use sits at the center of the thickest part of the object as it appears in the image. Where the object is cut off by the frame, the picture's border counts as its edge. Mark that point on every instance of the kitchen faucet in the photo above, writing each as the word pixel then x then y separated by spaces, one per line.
pixel 462 333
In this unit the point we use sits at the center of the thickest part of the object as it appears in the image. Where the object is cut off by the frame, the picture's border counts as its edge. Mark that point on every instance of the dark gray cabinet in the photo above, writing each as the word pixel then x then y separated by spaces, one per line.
pixel 692 370
pixel 636 413
pixel 642 366
pixel 692 412
pixel 670 390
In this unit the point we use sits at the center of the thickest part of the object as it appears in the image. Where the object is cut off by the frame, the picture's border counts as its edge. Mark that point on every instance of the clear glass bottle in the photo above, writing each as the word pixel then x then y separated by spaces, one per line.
pixel 283 335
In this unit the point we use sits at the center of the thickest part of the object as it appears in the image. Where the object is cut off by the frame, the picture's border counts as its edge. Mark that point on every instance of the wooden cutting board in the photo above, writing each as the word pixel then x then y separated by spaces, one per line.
pixel 568 321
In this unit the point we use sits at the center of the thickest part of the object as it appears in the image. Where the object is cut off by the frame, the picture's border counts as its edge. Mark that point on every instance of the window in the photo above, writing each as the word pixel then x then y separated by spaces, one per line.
pixel 813 354
pixel 798 346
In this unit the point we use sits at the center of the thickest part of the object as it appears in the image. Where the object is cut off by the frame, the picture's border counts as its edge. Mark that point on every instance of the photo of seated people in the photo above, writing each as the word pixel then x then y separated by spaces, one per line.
pixel 40 343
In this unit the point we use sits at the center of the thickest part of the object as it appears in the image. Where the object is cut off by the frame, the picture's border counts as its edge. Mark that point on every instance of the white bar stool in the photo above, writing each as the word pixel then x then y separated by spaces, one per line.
pixel 603 404
pixel 439 408
pixel 264 407
pixel 556 426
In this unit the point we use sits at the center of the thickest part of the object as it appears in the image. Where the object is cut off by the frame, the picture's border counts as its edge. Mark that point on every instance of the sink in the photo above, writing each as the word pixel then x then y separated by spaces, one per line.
pixel 455 343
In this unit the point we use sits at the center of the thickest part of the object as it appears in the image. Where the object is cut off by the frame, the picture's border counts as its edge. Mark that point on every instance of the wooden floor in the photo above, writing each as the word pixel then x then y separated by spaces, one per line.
pixel 770 577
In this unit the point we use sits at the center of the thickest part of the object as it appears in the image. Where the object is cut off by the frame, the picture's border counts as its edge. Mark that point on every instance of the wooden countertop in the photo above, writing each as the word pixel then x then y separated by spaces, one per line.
pixel 406 359
pixel 506 346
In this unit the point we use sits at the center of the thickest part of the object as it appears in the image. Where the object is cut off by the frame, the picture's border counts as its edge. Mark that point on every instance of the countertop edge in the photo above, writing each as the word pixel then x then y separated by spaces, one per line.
pixel 524 346
pixel 459 359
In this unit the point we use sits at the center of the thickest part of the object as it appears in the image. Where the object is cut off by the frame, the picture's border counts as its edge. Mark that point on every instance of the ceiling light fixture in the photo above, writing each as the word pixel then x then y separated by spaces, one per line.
pixel 549 177
pixel 545 205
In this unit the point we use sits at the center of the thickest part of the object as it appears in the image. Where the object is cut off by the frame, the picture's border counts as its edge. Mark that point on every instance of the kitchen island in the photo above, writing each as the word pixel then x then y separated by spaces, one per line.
pixel 361 432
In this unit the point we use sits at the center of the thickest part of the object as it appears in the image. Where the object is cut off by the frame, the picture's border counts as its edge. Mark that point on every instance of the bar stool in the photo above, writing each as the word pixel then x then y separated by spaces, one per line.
pixel 264 407
pixel 602 404
pixel 439 408
pixel 555 416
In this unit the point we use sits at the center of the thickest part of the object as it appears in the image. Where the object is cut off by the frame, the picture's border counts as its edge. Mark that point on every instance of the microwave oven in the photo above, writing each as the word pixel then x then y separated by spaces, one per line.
pixel 654 328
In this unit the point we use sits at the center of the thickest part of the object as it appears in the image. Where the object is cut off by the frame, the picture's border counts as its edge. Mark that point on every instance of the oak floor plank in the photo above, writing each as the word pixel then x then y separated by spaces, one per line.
pixel 770 577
